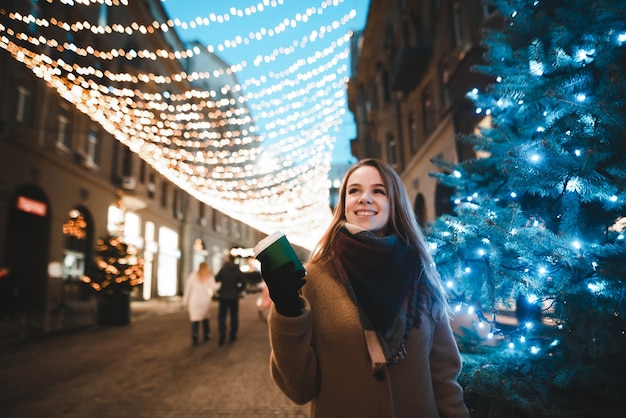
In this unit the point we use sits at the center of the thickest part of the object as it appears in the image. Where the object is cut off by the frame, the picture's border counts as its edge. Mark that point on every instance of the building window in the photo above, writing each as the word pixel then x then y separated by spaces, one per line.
pixel 224 225
pixel 151 247
pixel 115 220
pixel 412 128
pixel 202 214
pixel 236 233
pixel 127 162
pixel 179 203
pixel 75 232
pixel 374 98
pixel 151 185
pixel 63 132
pixel 167 262
pixel 93 148
pixel 419 208
pixel 215 225
pixel 142 171
pixel 444 77
pixel 456 24
pixel 386 87
pixel 24 105
pixel 428 111
pixel 164 195
pixel 132 229
pixel 176 204
pixel 392 150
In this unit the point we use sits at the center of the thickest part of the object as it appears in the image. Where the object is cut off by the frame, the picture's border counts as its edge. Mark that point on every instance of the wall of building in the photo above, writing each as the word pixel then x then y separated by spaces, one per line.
pixel 412 71
pixel 57 191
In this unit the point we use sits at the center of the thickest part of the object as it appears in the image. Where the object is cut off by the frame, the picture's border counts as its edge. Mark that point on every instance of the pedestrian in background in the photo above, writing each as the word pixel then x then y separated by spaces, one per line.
pixel 370 335
pixel 233 284
pixel 197 300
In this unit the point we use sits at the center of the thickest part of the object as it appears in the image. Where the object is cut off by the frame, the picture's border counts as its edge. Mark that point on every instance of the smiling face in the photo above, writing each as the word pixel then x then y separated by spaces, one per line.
pixel 367 200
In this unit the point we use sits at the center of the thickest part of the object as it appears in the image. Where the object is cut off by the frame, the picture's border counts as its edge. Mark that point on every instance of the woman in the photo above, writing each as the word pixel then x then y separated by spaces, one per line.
pixel 370 336
pixel 197 300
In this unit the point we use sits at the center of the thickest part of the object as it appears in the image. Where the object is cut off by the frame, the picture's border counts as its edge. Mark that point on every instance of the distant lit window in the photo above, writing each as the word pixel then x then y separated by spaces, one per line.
pixel 115 220
pixel 93 148
pixel 132 229
pixel 24 105
pixel 63 134
pixel 167 262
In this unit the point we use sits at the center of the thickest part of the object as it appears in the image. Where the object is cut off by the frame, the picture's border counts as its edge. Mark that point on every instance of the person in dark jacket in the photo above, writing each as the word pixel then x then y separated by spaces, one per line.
pixel 233 284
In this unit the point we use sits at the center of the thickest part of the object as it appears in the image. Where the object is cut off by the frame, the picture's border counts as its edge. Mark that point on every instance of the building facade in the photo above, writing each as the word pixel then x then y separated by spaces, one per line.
pixel 65 181
pixel 411 72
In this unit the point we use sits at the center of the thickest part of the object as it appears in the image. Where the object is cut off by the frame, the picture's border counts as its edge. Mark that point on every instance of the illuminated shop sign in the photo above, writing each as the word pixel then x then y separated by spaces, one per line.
pixel 31 206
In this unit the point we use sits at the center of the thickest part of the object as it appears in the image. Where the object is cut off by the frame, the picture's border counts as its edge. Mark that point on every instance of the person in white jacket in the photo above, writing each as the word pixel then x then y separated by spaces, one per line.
pixel 197 300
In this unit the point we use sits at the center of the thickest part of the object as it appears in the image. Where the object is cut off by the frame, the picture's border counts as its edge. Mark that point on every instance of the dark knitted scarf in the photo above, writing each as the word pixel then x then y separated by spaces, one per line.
pixel 381 275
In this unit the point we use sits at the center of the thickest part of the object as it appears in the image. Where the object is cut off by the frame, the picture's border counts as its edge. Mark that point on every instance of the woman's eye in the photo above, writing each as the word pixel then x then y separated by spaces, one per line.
pixel 352 191
pixel 380 191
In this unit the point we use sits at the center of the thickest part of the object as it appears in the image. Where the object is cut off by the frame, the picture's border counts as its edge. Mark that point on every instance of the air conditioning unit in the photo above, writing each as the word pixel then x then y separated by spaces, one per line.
pixel 129 183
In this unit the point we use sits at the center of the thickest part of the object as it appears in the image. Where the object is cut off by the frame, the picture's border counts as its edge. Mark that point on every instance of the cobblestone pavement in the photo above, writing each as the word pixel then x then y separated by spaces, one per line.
pixel 146 369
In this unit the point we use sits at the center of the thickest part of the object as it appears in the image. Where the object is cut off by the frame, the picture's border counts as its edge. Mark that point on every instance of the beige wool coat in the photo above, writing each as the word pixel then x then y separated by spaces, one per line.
pixel 321 357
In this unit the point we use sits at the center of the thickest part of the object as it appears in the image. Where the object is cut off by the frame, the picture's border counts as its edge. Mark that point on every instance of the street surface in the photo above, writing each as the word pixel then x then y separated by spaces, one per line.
pixel 146 369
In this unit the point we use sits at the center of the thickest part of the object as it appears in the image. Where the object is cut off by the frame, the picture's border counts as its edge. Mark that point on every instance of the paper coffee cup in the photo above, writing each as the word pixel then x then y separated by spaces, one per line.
pixel 274 251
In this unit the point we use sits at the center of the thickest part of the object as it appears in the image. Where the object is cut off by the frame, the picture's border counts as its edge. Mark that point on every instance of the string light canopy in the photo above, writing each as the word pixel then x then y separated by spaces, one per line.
pixel 258 150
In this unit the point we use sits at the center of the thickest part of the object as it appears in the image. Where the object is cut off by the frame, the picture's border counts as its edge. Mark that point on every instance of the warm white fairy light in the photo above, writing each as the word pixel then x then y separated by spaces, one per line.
pixel 177 55
pixel 207 144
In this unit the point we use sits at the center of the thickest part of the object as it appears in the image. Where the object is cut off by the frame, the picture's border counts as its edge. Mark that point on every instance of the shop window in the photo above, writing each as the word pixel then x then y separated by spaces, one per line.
pixel 75 232
pixel 167 269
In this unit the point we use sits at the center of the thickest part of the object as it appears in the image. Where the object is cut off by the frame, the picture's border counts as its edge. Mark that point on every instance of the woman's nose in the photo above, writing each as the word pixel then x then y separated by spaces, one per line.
pixel 365 197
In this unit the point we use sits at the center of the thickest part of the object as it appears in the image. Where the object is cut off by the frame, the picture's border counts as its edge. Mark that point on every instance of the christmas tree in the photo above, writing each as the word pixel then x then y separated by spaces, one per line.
pixel 116 266
pixel 540 213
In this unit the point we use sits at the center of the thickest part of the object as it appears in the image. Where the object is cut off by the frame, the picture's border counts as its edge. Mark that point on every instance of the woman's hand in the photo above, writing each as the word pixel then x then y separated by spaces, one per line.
pixel 284 285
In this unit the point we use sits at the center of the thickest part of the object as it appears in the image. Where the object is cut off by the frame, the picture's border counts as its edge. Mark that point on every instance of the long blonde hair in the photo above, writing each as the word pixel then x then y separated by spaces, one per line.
pixel 204 271
pixel 402 222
